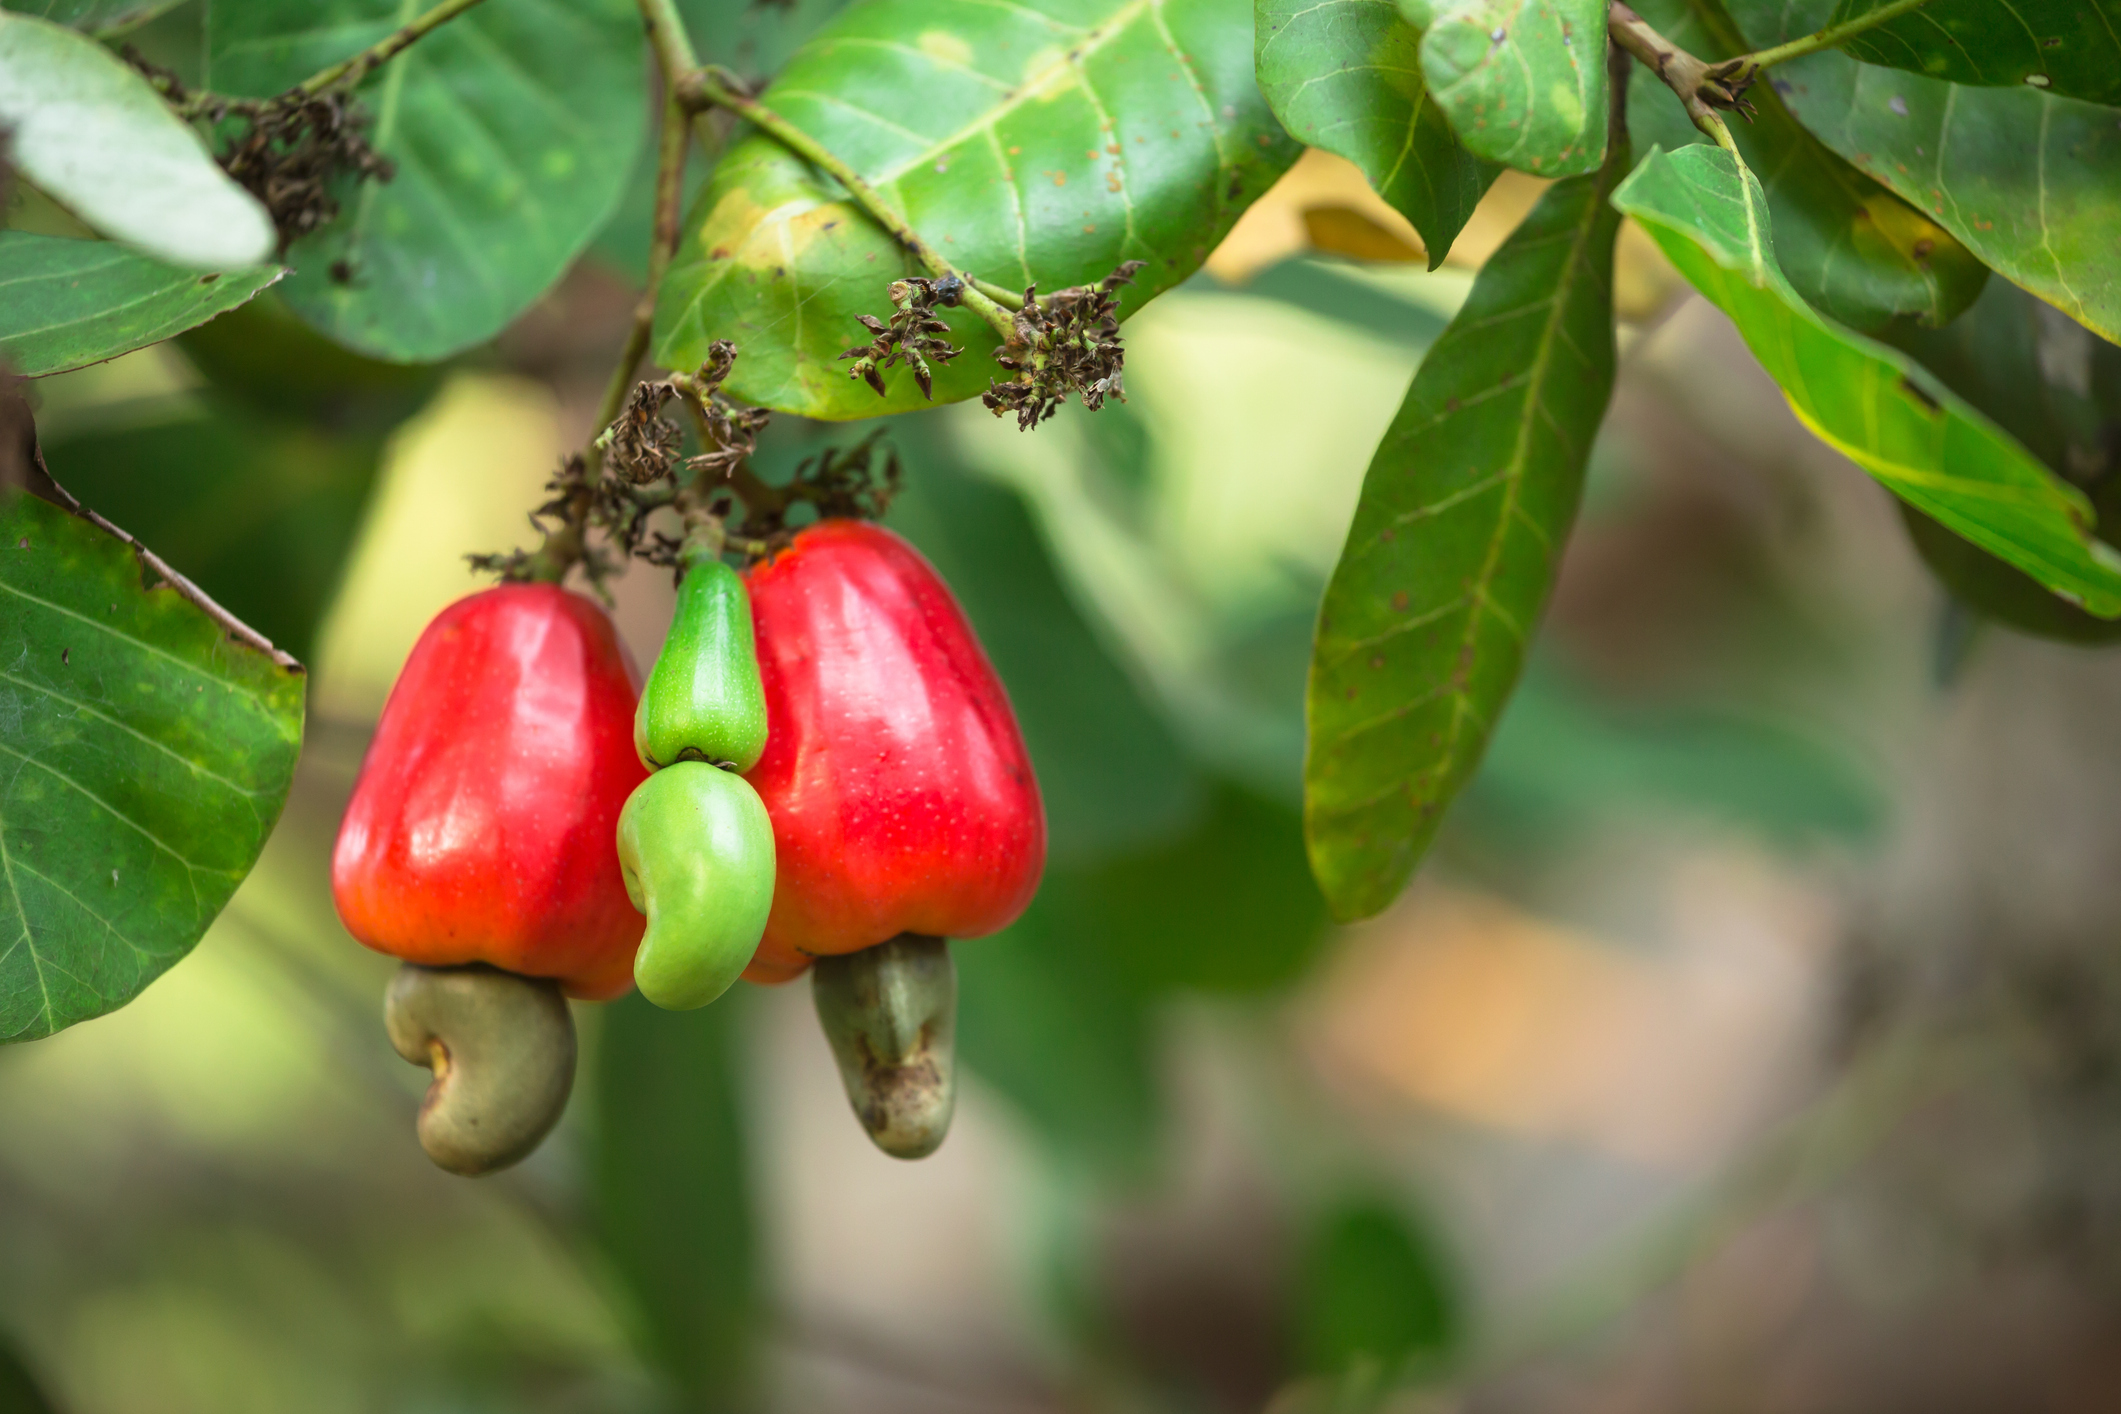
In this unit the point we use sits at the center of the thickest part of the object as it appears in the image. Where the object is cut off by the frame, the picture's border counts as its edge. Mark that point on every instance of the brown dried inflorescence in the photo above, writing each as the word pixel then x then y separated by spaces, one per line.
pixel 912 337
pixel 642 473
pixel 291 148
pixel 1068 344
pixel 856 482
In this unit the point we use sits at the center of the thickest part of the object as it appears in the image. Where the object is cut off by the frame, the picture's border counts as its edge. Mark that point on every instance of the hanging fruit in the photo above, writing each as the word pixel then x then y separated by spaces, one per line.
pixel 694 841
pixel 904 809
pixel 479 843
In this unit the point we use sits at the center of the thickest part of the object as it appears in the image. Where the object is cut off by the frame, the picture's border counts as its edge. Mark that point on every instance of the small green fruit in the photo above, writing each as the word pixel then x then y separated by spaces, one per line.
pixel 696 848
pixel 704 701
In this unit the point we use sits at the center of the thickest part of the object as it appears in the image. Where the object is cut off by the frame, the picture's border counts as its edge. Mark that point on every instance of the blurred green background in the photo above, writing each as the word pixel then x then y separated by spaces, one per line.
pixel 1749 1042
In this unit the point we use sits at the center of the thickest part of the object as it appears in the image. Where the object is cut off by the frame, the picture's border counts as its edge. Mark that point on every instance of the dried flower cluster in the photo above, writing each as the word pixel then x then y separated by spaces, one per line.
pixel 643 472
pixel 290 150
pixel 913 337
pixel 857 481
pixel 1068 344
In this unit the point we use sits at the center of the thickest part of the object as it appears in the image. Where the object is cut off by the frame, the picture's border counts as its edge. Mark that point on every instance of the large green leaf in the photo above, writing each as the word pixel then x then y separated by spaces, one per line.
pixel 513 129
pixel 1345 76
pixel 145 752
pixel 673 1201
pixel 2029 182
pixel 1040 142
pixel 2069 47
pixel 66 304
pixel 1524 81
pixel 91 133
pixel 1869 402
pixel 1854 250
pixel 1452 552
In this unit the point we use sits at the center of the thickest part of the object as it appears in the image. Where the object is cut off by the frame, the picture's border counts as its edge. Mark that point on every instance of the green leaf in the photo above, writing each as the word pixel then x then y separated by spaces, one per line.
pixel 2029 182
pixel 1043 142
pixel 1345 76
pixel 673 1203
pixel 513 129
pixel 1523 81
pixel 92 134
pixel 66 304
pixel 1997 591
pixel 2067 47
pixel 1376 1288
pixel 144 756
pixel 1452 552
pixel 1855 251
pixel 1112 774
pixel 1872 404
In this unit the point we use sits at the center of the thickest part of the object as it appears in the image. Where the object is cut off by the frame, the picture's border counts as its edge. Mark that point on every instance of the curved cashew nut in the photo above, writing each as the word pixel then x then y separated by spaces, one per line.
pixel 502 1049
pixel 890 1012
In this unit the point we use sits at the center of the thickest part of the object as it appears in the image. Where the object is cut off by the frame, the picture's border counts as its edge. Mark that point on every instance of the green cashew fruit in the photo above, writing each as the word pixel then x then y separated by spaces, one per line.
pixel 704 701
pixel 696 848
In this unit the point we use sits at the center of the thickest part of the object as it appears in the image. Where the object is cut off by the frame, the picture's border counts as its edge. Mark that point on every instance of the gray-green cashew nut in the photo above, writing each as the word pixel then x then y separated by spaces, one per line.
pixel 502 1050
pixel 890 1012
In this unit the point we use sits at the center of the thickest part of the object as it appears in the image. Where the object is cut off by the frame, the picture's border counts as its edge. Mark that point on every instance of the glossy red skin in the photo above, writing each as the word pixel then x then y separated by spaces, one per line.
pixel 901 795
pixel 483 827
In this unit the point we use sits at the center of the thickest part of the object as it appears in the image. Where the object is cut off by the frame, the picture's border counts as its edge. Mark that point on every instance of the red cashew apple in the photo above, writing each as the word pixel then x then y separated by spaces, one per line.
pixel 901 795
pixel 483 826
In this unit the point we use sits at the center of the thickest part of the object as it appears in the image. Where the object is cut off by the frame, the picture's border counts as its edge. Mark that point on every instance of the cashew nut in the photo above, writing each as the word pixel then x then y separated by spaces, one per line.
pixel 502 1050
pixel 890 1012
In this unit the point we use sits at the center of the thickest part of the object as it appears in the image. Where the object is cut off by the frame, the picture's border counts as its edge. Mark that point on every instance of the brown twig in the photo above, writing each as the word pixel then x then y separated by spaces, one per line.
pixel 1702 88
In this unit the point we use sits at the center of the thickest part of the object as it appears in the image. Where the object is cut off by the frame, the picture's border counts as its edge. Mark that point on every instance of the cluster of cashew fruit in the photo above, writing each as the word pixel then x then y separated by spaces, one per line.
pixel 822 774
